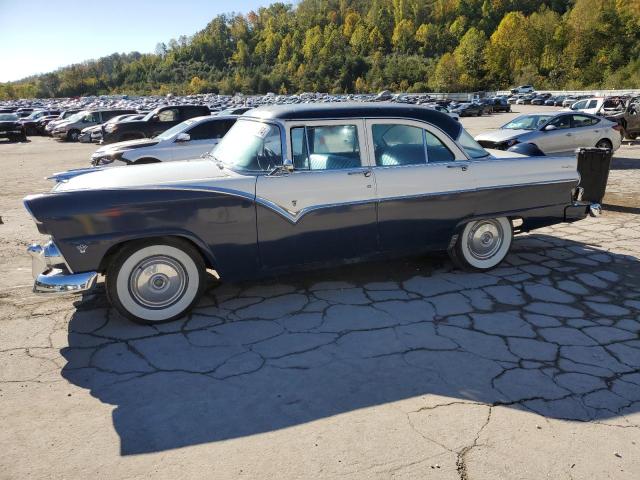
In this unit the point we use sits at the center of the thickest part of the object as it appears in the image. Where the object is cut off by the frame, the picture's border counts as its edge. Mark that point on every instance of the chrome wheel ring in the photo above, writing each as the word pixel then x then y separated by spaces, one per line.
pixel 485 239
pixel 158 282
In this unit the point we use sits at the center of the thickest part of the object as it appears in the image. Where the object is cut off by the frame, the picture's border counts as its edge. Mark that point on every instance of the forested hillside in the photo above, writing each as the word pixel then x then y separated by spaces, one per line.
pixel 357 46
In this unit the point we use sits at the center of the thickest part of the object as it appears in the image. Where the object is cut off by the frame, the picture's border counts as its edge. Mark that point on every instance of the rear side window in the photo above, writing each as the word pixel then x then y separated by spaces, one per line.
pixel 333 147
pixel 584 121
pixel 210 130
pixel 396 145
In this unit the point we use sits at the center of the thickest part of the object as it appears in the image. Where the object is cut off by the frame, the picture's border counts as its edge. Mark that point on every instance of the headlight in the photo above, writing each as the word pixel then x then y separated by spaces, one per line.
pixel 111 128
pixel 511 143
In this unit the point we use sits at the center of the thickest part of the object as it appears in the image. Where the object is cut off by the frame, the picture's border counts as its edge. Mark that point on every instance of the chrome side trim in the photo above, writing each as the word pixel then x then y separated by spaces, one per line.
pixel 58 282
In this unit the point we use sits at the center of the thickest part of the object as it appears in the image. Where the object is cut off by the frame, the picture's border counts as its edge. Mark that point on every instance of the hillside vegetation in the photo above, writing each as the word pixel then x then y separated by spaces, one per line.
pixel 357 46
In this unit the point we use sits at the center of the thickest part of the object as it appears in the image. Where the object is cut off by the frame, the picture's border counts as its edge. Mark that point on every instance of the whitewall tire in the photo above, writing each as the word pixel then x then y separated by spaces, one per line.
pixel 482 244
pixel 155 281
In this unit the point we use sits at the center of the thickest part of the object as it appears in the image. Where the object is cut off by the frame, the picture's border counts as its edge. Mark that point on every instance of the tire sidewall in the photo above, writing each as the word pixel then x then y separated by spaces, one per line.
pixel 119 277
pixel 463 254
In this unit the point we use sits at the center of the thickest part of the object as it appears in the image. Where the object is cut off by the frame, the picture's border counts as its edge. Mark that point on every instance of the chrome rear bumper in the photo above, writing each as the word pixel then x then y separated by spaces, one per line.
pixel 52 274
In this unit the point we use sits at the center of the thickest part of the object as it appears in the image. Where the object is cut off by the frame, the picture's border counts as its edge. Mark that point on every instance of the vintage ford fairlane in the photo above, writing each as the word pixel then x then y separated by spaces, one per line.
pixel 288 187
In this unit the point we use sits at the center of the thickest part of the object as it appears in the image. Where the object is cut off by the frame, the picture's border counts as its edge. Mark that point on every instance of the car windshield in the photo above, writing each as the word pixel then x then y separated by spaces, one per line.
pixel 473 148
pixel 8 117
pixel 76 117
pixel 250 146
pixel 528 122
pixel 168 134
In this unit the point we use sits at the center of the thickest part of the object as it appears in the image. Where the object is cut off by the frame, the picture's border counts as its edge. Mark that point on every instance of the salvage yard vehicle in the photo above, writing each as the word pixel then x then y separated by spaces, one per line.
pixel 288 187
pixel 156 122
pixel 11 128
pixel 555 133
pixel 71 128
pixel 187 140
pixel 627 116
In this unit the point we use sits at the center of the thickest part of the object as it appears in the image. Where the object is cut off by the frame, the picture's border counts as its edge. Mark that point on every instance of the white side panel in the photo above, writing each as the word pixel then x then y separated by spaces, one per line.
pixel 524 171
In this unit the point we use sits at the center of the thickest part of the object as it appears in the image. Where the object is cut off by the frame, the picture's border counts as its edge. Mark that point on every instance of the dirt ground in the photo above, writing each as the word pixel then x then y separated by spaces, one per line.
pixel 399 369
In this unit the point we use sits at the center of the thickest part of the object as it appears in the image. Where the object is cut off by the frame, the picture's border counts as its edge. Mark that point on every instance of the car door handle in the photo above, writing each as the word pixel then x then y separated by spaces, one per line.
pixel 461 167
pixel 366 173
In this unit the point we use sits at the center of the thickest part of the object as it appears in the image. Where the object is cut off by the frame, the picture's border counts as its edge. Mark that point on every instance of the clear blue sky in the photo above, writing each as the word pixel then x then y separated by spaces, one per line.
pixel 38 36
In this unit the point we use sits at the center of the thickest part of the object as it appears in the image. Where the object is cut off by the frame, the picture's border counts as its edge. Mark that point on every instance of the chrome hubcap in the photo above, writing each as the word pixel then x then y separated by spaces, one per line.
pixel 158 282
pixel 485 239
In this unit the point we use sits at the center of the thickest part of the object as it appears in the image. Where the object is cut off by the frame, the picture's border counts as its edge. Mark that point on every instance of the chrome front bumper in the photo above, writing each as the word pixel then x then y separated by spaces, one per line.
pixel 52 275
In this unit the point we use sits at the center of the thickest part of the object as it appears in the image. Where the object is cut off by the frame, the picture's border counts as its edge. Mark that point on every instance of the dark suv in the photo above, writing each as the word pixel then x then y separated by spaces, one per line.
pixel 154 123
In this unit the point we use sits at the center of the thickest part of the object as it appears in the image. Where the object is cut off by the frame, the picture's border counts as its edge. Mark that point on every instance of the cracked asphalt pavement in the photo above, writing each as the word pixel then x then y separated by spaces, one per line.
pixel 396 369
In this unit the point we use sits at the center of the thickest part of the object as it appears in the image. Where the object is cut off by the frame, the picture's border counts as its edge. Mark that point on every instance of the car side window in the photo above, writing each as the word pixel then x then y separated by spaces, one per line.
pixel 332 147
pixel 563 121
pixel 396 145
pixel 436 150
pixel 593 104
pixel 210 130
pixel 580 105
pixel 583 121
pixel 169 115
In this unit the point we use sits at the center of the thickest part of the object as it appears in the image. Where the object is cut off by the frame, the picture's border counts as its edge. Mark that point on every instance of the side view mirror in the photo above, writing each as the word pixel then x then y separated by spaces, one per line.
pixel 288 165
pixel 155 118
pixel 549 128
pixel 183 137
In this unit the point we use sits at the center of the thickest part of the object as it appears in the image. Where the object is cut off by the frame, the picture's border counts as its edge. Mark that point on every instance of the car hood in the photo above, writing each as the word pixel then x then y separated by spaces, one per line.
pixel 151 175
pixel 501 135
pixel 9 124
pixel 129 144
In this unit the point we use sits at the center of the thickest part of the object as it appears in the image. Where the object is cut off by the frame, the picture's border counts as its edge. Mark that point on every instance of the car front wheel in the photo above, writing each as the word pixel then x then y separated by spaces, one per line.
pixel 482 244
pixel 155 281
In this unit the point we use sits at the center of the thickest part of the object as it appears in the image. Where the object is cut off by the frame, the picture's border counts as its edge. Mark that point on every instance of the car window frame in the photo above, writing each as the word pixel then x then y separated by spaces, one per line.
pixel 458 153
pixel 362 144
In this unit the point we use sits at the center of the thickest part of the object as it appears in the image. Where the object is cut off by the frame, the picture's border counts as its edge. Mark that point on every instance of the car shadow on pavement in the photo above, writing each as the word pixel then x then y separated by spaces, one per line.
pixel 621 163
pixel 554 331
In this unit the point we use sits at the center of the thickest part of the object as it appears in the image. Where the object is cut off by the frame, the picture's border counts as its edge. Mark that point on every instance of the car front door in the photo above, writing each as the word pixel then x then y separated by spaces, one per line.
pixel 421 175
pixel 558 138
pixel 324 210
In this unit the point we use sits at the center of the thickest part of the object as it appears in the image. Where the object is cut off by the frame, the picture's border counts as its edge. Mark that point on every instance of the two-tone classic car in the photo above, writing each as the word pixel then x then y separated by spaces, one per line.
pixel 288 187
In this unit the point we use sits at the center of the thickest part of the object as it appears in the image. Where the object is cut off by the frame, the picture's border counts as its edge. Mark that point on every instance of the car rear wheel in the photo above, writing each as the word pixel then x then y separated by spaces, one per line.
pixel 155 281
pixel 482 244
pixel 604 143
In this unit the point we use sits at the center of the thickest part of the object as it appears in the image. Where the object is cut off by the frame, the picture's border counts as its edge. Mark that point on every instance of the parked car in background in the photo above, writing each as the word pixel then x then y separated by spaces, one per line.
pixel 70 128
pixel 540 99
pixel 61 118
pixel 188 140
pixel 555 133
pixel 30 122
pixel 523 89
pixel 588 105
pixel 156 122
pixel 42 122
pixel 11 128
pixel 468 109
pixel 525 99
pixel 555 101
pixel 500 104
pixel 94 133
pixel 289 187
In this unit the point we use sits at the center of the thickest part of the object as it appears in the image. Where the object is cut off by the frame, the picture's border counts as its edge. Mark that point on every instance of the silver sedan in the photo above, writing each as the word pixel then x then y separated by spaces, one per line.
pixel 555 133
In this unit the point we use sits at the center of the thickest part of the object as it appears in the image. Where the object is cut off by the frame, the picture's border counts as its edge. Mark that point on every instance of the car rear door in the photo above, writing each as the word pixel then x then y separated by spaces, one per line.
pixel 586 131
pixel 421 177
pixel 325 209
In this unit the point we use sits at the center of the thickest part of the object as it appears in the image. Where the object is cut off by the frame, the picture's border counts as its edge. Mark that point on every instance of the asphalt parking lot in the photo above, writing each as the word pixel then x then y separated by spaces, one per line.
pixel 396 369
